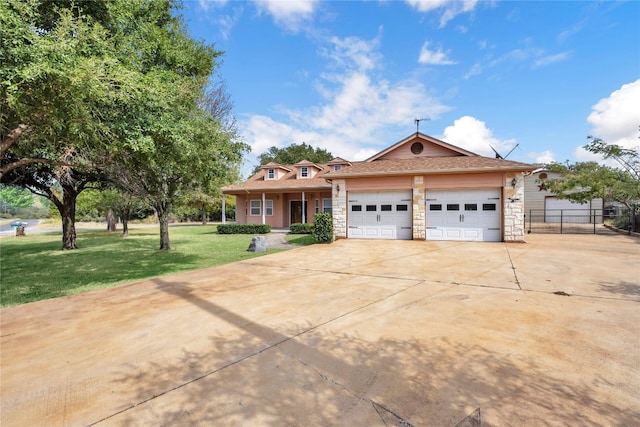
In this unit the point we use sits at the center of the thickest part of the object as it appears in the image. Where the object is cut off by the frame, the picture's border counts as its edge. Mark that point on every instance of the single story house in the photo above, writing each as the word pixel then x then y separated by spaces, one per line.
pixel 543 206
pixel 420 188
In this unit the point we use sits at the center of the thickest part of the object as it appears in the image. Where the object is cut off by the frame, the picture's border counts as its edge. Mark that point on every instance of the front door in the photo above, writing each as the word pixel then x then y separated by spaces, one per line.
pixel 296 211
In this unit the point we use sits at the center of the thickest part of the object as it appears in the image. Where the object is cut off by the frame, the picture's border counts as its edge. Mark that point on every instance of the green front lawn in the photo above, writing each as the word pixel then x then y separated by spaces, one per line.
pixel 34 267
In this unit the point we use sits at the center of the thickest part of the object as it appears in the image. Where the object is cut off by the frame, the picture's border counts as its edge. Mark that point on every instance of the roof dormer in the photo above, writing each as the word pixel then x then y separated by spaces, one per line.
pixel 338 163
pixel 274 171
pixel 307 169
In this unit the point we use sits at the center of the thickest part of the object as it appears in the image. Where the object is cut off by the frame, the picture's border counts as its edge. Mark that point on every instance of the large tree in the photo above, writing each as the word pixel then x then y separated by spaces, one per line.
pixel 293 154
pixel 110 85
pixel 583 181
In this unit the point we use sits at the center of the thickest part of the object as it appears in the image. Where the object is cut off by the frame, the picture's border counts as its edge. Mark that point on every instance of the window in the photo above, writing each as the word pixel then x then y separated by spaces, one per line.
pixel 386 208
pixel 435 207
pixel 317 206
pixel 337 167
pixel 402 208
pixel 304 172
pixel 327 206
pixel 356 208
pixel 453 207
pixel 271 174
pixel 470 206
pixel 488 206
pixel 372 208
pixel 255 207
pixel 268 207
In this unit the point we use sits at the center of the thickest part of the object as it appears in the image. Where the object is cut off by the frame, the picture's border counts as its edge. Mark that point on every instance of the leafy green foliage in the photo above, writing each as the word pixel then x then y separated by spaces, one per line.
pixel 293 154
pixel 299 228
pixel 244 229
pixel 323 227
pixel 15 197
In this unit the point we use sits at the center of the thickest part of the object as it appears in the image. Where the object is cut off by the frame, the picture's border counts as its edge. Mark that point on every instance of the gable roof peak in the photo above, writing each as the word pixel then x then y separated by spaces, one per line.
pixel 421 137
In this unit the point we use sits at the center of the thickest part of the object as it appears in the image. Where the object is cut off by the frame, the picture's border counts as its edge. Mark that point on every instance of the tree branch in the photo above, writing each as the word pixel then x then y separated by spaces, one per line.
pixel 12 137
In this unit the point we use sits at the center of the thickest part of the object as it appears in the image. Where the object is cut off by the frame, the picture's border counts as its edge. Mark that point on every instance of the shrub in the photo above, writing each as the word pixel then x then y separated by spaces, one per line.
pixel 244 229
pixel 323 227
pixel 298 228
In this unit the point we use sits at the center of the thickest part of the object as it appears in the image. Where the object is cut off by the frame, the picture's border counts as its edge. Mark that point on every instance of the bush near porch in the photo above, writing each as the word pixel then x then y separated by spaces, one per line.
pixel 244 229
pixel 299 228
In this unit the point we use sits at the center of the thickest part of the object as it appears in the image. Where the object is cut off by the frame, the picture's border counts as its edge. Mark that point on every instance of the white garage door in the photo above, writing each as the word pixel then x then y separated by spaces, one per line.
pixel 470 215
pixel 380 215
pixel 562 210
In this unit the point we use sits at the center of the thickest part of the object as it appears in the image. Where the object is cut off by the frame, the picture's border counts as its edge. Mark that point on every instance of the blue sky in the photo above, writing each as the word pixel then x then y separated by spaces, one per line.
pixel 352 76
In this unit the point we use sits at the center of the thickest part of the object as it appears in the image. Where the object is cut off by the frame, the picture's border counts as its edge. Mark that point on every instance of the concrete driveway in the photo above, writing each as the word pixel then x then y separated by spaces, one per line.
pixel 357 333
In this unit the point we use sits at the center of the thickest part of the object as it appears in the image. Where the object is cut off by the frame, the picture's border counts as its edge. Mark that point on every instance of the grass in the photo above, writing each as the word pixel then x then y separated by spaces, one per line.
pixel 34 268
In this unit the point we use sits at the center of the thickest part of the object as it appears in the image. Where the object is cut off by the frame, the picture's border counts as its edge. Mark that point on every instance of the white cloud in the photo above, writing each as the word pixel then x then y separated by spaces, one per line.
pixel 433 57
pixel 450 9
pixel 615 119
pixel 358 109
pixel 472 134
pixel 550 59
pixel 287 13
pixel 544 157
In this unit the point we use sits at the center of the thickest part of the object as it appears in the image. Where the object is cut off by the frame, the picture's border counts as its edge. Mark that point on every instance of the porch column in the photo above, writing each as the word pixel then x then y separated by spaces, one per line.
pixel 304 213
pixel 264 210
pixel 224 216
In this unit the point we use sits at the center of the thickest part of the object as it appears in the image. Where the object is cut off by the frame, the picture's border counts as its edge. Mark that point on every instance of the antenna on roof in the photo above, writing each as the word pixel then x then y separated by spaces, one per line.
pixel 499 156
pixel 417 122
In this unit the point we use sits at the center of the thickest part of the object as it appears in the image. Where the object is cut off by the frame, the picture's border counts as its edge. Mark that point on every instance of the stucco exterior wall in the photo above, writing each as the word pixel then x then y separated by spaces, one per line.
pixel 379 183
pixel 475 180
pixel 429 150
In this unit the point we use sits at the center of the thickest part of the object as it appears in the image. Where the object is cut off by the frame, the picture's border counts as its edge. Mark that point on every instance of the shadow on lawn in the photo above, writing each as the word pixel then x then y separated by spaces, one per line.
pixel 315 376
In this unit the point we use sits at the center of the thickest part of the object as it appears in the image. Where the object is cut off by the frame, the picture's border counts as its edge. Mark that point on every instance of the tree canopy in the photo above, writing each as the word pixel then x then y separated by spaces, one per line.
pixel 293 154
pixel 110 90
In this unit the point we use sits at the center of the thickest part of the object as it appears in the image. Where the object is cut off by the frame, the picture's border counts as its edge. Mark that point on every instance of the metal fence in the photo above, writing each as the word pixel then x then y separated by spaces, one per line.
pixel 569 221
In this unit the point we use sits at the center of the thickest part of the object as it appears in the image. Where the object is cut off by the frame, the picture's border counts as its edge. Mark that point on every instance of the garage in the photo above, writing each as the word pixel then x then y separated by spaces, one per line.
pixel 563 210
pixel 379 215
pixel 466 215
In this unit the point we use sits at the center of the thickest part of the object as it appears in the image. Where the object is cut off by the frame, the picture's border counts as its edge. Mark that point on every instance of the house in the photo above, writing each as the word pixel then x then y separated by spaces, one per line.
pixel 281 195
pixel 420 188
pixel 542 206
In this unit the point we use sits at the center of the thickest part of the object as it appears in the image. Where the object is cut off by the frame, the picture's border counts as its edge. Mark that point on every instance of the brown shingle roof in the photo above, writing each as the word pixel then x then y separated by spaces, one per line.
pixel 430 165
pixel 287 182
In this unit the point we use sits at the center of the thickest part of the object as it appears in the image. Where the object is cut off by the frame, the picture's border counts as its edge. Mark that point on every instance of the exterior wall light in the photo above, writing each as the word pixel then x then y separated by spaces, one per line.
pixel 514 182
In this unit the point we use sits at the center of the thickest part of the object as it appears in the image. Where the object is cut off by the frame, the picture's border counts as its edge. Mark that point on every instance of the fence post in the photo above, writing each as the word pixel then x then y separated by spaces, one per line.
pixel 561 220
pixel 594 221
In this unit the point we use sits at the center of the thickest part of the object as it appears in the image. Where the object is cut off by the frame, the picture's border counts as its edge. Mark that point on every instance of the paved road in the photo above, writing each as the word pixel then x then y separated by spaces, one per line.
pixel 7 229
pixel 358 332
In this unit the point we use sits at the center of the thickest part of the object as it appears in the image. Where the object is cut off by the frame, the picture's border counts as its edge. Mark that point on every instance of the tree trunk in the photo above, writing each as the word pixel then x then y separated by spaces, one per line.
pixel 163 209
pixel 68 214
pixel 204 214
pixel 111 221
pixel 124 215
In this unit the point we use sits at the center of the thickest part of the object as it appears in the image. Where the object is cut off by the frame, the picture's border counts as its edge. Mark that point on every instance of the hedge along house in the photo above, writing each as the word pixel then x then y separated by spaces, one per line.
pixel 281 195
pixel 420 188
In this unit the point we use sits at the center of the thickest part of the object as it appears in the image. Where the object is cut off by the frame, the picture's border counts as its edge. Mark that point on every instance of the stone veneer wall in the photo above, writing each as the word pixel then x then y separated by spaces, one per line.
pixel 513 206
pixel 419 207
pixel 339 209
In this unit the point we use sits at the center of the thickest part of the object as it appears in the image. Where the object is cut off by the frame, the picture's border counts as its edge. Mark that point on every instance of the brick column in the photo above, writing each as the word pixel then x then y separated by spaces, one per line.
pixel 339 209
pixel 513 207
pixel 418 211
